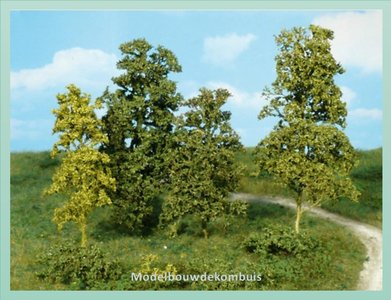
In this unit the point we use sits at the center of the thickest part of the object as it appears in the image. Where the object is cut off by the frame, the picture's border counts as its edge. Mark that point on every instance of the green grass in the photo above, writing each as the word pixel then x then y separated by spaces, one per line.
pixel 366 176
pixel 33 232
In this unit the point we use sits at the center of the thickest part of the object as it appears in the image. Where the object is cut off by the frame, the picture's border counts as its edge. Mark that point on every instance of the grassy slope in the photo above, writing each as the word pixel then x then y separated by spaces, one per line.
pixel 32 231
pixel 367 177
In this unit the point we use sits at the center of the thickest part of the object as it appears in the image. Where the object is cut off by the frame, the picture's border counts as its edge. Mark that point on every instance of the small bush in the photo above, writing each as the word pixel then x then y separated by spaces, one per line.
pixel 291 256
pixel 81 268
pixel 237 208
pixel 280 240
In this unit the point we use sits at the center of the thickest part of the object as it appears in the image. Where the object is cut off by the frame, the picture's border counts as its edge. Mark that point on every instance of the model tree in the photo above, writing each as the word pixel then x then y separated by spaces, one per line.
pixel 139 125
pixel 307 150
pixel 84 175
pixel 203 171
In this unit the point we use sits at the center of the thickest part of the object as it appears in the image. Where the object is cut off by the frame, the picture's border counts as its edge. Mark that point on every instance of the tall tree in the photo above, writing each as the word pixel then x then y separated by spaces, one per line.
pixel 139 125
pixel 84 175
pixel 307 150
pixel 204 170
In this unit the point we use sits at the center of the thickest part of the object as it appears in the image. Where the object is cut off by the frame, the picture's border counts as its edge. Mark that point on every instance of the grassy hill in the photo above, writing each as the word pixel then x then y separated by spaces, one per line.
pixel 333 263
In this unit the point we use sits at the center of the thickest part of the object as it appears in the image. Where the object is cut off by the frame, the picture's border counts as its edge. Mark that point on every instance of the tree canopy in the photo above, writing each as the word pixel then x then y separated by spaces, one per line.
pixel 139 124
pixel 203 170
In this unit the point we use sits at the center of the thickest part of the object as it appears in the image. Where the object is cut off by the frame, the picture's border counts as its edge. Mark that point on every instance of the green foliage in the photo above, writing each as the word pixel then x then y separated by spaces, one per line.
pixel 307 151
pixel 281 240
pixel 203 170
pixel 305 87
pixel 319 172
pixel 290 255
pixel 80 267
pixel 139 125
pixel 83 175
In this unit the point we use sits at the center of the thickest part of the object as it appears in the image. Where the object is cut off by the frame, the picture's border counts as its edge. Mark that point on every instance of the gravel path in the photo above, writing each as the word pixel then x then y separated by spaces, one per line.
pixel 370 236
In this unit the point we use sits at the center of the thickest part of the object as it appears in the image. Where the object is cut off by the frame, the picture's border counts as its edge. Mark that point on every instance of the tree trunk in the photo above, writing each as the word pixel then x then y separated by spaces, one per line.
pixel 298 216
pixel 83 229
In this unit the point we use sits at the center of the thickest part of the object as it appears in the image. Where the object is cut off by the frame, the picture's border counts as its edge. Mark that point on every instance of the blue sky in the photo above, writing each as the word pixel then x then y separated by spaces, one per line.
pixel 229 49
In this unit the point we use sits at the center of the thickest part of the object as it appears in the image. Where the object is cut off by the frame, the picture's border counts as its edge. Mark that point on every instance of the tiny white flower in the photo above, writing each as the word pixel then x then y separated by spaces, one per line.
pixel 165 247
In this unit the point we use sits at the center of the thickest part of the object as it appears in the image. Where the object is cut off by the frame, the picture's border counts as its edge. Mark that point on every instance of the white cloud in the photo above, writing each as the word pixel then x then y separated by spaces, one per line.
pixel 358 38
pixel 240 98
pixel 348 95
pixel 86 67
pixel 365 114
pixel 222 50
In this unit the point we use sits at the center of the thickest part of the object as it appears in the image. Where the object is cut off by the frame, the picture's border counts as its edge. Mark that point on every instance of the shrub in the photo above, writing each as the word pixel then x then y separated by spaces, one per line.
pixel 290 257
pixel 80 267
pixel 281 240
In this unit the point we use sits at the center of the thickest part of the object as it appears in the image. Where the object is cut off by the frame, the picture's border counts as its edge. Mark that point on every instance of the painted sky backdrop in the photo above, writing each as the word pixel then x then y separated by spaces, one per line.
pixel 228 49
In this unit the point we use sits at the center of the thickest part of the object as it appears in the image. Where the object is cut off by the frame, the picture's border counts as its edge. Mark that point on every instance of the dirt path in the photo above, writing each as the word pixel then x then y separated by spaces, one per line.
pixel 371 237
